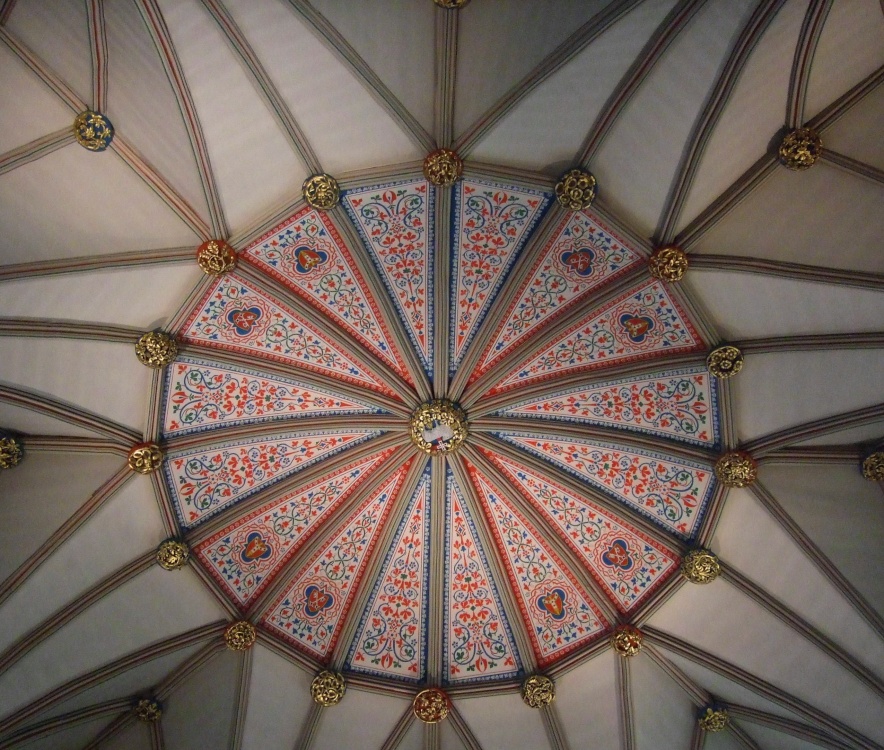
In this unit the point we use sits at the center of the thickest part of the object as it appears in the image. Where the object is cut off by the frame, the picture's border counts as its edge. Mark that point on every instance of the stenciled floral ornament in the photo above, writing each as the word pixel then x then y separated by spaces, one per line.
pixel 576 190
pixel 93 130
pixel 712 719
pixel 11 452
pixel 538 691
pixel 173 554
pixel 145 458
pixel 156 349
pixel 216 257
pixel 669 263
pixel 321 191
pixel 431 705
pixel 800 149
pixel 240 636
pixel 736 469
pixel 873 467
pixel 443 167
pixel 439 426
pixel 700 566
pixel 626 640
pixel 148 710
pixel 328 688
pixel 725 361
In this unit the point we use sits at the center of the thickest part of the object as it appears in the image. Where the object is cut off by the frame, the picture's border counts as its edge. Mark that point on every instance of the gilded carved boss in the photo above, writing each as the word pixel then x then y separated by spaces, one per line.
pixel 240 636
pixel 328 688
pixel 11 452
pixel 321 191
pixel 538 691
pixel 626 640
pixel 668 263
pixel 576 190
pixel 430 706
pixel 443 167
pixel 725 361
pixel 93 130
pixel 145 458
pixel 713 719
pixel 736 469
pixel 148 710
pixel 172 554
pixel 700 566
pixel 873 467
pixel 800 149
pixel 439 426
pixel 216 257
pixel 156 349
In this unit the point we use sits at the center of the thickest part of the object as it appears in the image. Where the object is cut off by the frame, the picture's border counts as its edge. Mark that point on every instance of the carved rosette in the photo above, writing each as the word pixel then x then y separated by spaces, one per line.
pixel 439 426
pixel 431 705
pixel 328 688
pixel 443 167
pixel 173 554
pixel 148 710
pixel 321 191
pixel 538 691
pixel 736 469
pixel 93 130
pixel 576 190
pixel 451 4
pixel 669 263
pixel 626 640
pixel 725 361
pixel 800 149
pixel 700 566
pixel 873 467
pixel 713 719
pixel 11 452
pixel 146 458
pixel 240 636
pixel 156 349
pixel 216 257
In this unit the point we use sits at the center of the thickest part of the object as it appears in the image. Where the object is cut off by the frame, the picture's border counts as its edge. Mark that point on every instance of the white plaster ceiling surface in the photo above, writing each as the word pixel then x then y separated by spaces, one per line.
pixel 594 421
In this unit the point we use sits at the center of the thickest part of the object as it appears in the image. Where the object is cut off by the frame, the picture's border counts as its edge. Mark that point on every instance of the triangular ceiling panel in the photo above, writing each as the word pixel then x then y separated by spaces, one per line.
pixel 244 556
pixel 664 716
pixel 520 728
pixel 492 221
pixel 395 222
pixel 588 702
pixel 311 610
pixel 204 481
pixel 391 639
pixel 641 324
pixel 307 254
pixel 581 256
pixel 769 737
pixel 25 420
pixel 202 396
pixel 849 134
pixel 364 719
pixel 677 404
pixel 240 317
pixel 477 635
pixel 559 613
pixel 629 565
pixel 69 736
pixel 136 736
pixel 672 492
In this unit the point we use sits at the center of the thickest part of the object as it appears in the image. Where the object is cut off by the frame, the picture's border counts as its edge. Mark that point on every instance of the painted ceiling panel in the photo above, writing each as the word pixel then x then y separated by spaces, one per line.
pixel 663 713
pixel 107 541
pixel 587 703
pixel 109 296
pixel 850 48
pixel 849 134
pixel 364 721
pixel 46 365
pixel 55 198
pixel 806 394
pixel 37 112
pixel 754 112
pixel 784 219
pixel 253 163
pixel 523 726
pixel 29 516
pixel 541 134
pixel 785 306
pixel 637 162
pixel 344 124
pixel 273 716
pixel 176 603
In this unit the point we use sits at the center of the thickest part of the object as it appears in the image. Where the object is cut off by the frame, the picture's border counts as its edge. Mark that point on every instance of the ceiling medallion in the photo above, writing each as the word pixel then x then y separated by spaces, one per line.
pixel 173 554
pixel 669 263
pixel 800 149
pixel 93 130
pixel 700 566
pixel 148 710
pixel 873 467
pixel 216 257
pixel 328 688
pixel 156 349
pixel 430 706
pixel 736 469
pixel 240 636
pixel 626 640
pixel 145 458
pixel 576 190
pixel 538 691
pixel 451 4
pixel 11 452
pixel 439 426
pixel 713 719
pixel 443 167
pixel 321 191
pixel 725 361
